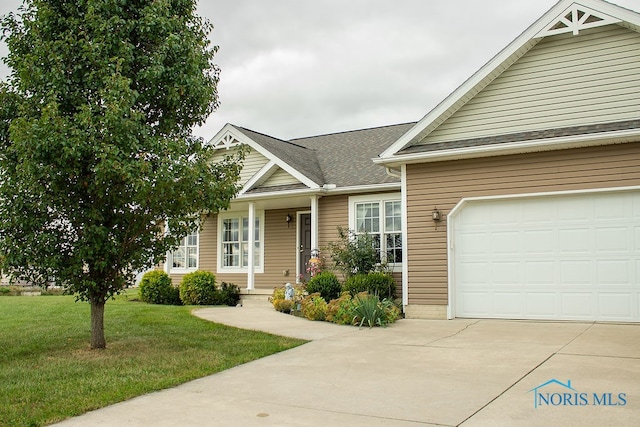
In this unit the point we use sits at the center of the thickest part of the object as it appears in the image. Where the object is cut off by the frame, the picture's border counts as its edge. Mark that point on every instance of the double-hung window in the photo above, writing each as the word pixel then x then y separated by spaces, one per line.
pixel 185 257
pixel 234 242
pixel 379 216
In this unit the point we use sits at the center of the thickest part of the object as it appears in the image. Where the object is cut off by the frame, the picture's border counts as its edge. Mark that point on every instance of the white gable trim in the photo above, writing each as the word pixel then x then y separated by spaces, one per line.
pixel 503 60
pixel 263 174
pixel 575 18
pixel 230 133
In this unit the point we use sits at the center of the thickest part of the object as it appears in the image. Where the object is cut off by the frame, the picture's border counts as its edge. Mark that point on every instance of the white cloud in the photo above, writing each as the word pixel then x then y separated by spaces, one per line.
pixel 294 68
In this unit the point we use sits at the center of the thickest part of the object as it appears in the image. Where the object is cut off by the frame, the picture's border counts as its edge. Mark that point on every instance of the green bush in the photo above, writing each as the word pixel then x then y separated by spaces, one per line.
pixel 340 310
pixel 326 284
pixel 314 307
pixel 199 288
pixel 355 253
pixel 375 283
pixel 228 294
pixel 156 288
pixel 283 305
pixel 371 311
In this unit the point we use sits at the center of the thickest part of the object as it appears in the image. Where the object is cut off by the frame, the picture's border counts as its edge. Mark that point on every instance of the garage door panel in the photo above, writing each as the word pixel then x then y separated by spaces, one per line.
pixel 540 273
pixel 575 240
pixel 616 306
pixel 473 243
pixel 572 209
pixel 507 303
pixel 539 241
pixel 576 272
pixel 477 304
pixel 506 273
pixel 505 242
pixel 540 305
pixel 614 272
pixel 571 257
pixel 614 239
pixel 577 305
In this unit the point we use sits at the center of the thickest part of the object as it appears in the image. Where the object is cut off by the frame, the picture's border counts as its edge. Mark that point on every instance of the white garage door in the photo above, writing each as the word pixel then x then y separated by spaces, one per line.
pixel 573 257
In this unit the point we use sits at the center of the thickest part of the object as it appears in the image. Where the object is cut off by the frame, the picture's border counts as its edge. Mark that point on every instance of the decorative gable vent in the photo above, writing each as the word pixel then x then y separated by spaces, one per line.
pixel 576 18
pixel 226 141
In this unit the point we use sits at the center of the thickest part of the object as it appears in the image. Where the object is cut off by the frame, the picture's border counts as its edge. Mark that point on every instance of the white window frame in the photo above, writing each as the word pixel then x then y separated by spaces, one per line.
pixel 184 246
pixel 240 215
pixel 380 199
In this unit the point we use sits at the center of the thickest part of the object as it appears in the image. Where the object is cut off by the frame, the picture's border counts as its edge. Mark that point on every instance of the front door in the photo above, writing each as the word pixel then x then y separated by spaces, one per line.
pixel 304 237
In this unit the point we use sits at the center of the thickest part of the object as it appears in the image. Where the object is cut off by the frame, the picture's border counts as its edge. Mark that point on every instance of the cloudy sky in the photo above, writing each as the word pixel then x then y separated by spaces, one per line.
pixel 294 68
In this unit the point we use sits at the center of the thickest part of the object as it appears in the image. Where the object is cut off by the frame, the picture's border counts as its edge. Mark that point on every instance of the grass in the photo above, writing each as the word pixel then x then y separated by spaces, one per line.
pixel 48 373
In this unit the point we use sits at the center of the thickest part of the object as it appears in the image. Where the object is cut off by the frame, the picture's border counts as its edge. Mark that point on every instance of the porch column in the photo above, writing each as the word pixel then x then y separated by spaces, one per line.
pixel 251 243
pixel 314 222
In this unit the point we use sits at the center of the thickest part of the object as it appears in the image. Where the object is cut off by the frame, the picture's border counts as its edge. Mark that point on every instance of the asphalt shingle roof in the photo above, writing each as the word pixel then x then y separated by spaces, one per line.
pixel 523 136
pixel 343 159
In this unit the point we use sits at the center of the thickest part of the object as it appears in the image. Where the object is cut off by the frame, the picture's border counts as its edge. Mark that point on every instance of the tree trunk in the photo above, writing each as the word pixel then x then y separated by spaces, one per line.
pixel 97 324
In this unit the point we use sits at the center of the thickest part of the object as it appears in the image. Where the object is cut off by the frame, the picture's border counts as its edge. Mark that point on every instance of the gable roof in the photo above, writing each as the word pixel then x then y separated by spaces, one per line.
pixel 333 161
pixel 567 16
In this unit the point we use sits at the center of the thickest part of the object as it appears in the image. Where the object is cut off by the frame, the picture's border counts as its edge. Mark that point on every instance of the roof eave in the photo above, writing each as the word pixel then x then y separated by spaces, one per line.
pixel 517 147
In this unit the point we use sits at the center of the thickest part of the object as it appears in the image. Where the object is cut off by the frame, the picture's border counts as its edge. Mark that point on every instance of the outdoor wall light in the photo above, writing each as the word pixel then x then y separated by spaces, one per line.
pixel 435 215
pixel 288 219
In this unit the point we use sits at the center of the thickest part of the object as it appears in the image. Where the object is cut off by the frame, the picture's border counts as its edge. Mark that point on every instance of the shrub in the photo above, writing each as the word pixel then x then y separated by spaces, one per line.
pixel 370 310
pixel 199 288
pixel 156 288
pixel 228 294
pixel 353 254
pixel 340 310
pixel 375 283
pixel 314 307
pixel 283 305
pixel 326 284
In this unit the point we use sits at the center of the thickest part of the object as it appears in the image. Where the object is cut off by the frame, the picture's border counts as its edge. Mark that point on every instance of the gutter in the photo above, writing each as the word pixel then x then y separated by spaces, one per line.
pixel 517 147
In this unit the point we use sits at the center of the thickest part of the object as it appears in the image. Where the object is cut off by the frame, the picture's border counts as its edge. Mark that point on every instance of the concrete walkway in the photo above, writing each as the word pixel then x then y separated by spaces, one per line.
pixel 415 372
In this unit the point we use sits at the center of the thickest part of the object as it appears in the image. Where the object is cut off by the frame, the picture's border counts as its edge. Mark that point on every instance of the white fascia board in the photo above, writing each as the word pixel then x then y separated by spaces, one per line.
pixel 505 58
pixel 374 188
pixel 517 147
pixel 244 139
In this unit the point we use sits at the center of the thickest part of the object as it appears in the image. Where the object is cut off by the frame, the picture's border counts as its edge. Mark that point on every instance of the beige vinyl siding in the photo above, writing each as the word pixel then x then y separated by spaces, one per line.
pixel 563 81
pixel 253 162
pixel 280 177
pixel 333 211
pixel 279 249
pixel 445 184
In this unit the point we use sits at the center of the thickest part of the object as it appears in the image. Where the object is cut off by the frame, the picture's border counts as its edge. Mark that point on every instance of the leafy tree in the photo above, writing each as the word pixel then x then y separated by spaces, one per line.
pixel 96 146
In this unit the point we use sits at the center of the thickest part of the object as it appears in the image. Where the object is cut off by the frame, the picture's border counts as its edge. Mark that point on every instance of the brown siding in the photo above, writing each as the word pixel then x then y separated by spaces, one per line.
pixel 279 248
pixel 445 184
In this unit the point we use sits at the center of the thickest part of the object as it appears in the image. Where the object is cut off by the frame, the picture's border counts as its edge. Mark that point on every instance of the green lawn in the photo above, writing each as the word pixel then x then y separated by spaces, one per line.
pixel 48 372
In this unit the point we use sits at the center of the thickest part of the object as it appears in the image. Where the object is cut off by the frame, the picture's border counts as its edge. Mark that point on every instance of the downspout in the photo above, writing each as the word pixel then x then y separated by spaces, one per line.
pixel 396 173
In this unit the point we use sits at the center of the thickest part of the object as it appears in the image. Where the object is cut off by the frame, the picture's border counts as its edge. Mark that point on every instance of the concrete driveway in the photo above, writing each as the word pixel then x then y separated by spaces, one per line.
pixel 415 372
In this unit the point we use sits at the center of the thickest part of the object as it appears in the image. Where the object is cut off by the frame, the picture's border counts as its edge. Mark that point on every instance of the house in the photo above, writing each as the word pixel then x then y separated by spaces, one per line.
pixel 517 197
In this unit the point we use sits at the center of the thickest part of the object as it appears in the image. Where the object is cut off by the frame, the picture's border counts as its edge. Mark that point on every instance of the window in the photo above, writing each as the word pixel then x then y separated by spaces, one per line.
pixel 186 256
pixel 380 217
pixel 234 242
